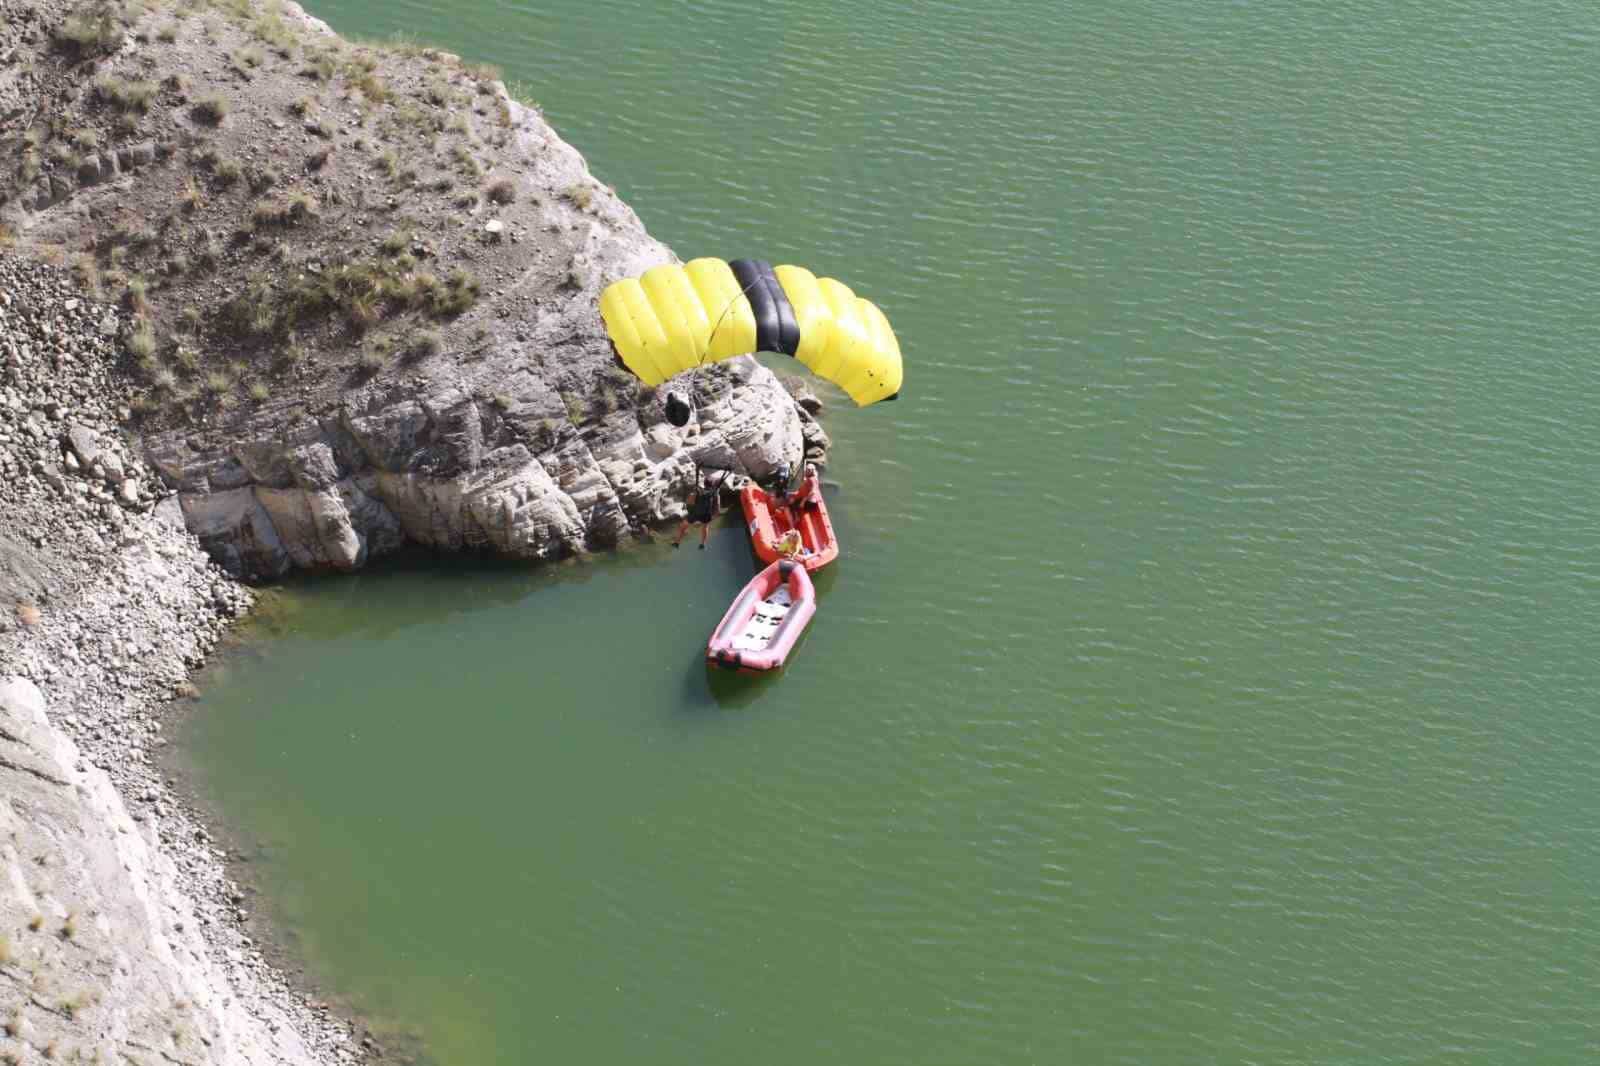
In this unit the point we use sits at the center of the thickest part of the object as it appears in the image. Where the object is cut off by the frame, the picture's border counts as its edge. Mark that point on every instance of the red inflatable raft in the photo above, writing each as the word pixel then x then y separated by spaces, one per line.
pixel 764 620
pixel 768 520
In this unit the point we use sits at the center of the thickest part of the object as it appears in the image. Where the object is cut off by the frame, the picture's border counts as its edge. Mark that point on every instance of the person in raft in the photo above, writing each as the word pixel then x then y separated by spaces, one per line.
pixel 789 546
pixel 705 501
pixel 798 496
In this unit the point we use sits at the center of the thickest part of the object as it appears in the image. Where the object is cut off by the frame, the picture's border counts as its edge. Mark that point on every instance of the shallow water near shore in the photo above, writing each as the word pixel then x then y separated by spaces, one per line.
pixel 1209 674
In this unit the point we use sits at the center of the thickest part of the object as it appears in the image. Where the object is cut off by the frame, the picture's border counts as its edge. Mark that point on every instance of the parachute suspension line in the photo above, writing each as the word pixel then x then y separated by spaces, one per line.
pixel 713 334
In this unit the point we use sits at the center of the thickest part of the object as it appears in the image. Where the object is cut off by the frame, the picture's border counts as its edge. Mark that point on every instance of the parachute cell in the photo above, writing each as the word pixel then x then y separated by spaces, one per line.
pixel 674 318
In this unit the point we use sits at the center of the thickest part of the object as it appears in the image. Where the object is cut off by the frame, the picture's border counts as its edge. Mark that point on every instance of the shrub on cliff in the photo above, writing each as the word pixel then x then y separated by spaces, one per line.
pixel 211 110
pixel 95 31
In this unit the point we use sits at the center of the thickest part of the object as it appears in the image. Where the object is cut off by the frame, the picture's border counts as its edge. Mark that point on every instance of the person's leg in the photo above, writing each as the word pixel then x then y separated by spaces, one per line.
pixel 683 527
pixel 705 531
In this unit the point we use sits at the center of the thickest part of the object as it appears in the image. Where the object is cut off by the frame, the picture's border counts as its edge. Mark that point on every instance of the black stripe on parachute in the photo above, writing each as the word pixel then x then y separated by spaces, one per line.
pixel 776 328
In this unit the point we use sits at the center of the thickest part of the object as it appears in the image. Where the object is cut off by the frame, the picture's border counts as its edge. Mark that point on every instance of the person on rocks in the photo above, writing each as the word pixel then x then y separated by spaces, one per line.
pixel 705 503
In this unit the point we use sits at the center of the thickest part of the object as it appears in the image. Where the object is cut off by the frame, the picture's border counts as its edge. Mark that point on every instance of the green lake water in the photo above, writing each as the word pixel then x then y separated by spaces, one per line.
pixel 1209 675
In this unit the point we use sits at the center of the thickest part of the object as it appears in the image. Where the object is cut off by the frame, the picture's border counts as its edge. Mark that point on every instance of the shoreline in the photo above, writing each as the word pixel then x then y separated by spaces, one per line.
pixel 122 607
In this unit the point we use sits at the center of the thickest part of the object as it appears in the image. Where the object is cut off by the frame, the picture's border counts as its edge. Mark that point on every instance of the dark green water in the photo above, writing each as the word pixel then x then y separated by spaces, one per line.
pixel 1210 673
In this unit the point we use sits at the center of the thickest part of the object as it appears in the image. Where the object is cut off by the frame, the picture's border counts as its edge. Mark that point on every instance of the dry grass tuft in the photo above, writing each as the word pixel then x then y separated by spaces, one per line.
pixel 426 344
pixel 135 296
pixel 94 32
pixel 581 196
pixel 190 196
pixel 210 110
pixel 374 88
pixel 291 211
pixel 142 341
pixel 501 191
pixel 126 95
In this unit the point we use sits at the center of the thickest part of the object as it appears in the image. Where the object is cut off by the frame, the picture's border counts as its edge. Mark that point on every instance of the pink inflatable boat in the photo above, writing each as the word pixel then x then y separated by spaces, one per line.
pixel 764 621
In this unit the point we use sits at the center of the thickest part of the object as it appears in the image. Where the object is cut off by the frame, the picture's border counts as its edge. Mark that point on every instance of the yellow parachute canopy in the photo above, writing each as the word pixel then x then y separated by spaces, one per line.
pixel 674 318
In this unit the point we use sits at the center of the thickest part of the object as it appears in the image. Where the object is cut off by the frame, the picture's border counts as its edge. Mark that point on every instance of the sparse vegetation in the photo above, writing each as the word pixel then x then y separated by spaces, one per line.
pixel 262 179
pixel 483 74
pixel 374 88
pixel 69 928
pixel 211 109
pixel 136 297
pixel 373 358
pixel 427 344
pixel 293 353
pixel 28 615
pixel 93 32
pixel 501 191
pixel 126 95
pixel 274 32
pixel 356 249
pixel 522 93
pixel 142 342
pixel 290 211
pixel 466 163
pixel 580 196
pixel 87 271
pixel 459 294
pixel 396 242
pixel 322 68
pixel 190 197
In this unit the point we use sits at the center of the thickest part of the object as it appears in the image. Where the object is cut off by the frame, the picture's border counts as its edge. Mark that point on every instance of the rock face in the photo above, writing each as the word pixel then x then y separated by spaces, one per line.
pixel 105 957
pixel 518 473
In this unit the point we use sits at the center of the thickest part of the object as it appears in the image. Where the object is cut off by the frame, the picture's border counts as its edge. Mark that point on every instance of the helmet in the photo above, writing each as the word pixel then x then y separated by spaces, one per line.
pixel 678 410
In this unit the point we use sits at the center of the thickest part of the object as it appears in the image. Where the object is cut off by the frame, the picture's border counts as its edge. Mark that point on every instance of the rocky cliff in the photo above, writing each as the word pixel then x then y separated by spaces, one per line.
pixel 121 937
pixel 364 283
